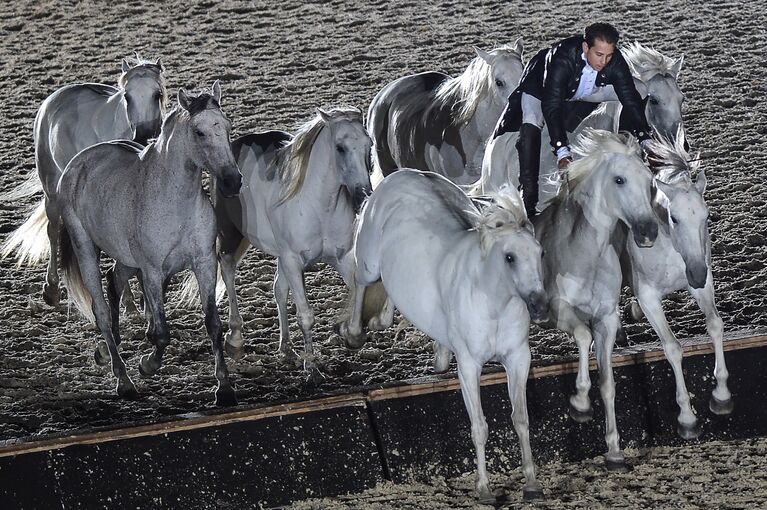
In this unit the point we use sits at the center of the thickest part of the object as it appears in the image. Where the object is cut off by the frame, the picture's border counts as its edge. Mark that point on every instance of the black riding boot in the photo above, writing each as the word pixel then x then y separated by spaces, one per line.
pixel 529 149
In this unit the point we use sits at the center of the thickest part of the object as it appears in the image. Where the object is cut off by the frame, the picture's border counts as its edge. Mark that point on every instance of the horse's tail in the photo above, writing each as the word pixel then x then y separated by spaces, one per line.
pixel 73 279
pixel 30 240
pixel 188 295
pixel 29 187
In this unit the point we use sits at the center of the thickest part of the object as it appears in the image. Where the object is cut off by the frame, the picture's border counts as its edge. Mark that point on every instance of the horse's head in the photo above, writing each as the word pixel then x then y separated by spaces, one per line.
pixel 208 135
pixel 684 211
pixel 659 75
pixel 349 146
pixel 620 183
pixel 508 244
pixel 505 69
pixel 145 97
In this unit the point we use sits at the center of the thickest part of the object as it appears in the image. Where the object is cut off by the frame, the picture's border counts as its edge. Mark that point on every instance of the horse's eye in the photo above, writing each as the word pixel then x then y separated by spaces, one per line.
pixel 509 258
pixel 199 133
pixel 500 83
pixel 340 149
pixel 157 96
pixel 674 220
pixel 543 254
pixel 620 181
pixel 653 100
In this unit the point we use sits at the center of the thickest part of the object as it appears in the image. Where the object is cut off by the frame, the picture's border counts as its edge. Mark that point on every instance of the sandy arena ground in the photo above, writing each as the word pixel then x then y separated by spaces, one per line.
pixel 277 63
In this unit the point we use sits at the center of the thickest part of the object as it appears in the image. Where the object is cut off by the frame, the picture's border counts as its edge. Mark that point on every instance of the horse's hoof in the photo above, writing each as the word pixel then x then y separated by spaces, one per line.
pixel 146 368
pixel 721 407
pixel 127 390
pixel 688 432
pixel 236 353
pixel 51 295
pixel 532 493
pixel 486 497
pixel 101 354
pixel 618 466
pixel 352 341
pixel 225 397
pixel 581 416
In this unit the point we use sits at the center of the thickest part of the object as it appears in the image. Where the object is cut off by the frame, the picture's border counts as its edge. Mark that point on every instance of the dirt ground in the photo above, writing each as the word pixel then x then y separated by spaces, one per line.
pixel 712 475
pixel 279 61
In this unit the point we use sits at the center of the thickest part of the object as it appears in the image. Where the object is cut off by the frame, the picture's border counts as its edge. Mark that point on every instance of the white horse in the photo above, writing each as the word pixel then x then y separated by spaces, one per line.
pixel 431 121
pixel 679 259
pixel 69 120
pixel 146 209
pixel 470 280
pixel 656 78
pixel 610 184
pixel 299 202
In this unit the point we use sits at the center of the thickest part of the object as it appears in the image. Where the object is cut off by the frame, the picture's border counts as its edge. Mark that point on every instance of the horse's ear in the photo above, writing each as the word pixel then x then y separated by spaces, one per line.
pixel 325 116
pixel 158 63
pixel 677 66
pixel 217 91
pixel 518 47
pixel 487 57
pixel 666 189
pixel 183 99
pixel 125 66
pixel 700 182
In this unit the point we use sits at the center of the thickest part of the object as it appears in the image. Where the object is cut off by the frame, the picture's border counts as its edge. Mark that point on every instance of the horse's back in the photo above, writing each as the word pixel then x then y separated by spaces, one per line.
pixel 86 170
pixel 394 115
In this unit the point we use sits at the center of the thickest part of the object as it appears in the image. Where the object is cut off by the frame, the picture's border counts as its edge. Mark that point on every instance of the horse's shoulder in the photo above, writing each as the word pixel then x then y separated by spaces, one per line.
pixel 265 140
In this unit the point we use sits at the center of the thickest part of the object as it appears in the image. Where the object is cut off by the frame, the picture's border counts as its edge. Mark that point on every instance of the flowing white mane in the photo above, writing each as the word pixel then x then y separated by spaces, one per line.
pixel 505 213
pixel 466 91
pixel 592 144
pixel 672 162
pixel 292 160
pixel 646 62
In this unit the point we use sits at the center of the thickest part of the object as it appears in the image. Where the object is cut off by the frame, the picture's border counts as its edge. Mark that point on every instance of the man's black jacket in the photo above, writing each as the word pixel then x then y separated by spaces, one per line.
pixel 552 76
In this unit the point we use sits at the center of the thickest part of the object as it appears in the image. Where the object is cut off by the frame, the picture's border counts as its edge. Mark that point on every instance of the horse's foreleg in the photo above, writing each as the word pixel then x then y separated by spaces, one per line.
pixel 351 329
pixel 604 339
pixel 281 290
pixel 721 398
pixel 469 372
pixel 294 273
pixel 157 327
pixel 205 272
pixel 233 340
pixel 51 293
pixel 651 305
pixel 117 279
pixel 517 366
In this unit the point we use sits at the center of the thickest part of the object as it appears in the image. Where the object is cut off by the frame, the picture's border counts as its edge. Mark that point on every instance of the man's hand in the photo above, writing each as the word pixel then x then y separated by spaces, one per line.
pixel 564 163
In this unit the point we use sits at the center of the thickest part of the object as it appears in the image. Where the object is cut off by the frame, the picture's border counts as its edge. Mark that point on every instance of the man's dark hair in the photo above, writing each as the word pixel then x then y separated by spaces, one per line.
pixel 603 31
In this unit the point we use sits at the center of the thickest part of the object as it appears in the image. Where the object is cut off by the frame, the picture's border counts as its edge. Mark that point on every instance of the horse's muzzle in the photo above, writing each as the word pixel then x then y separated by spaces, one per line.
pixel 696 275
pixel 230 185
pixel 645 232
pixel 538 306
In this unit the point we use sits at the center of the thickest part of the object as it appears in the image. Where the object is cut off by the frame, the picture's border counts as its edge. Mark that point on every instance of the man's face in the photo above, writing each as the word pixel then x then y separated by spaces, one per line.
pixel 599 55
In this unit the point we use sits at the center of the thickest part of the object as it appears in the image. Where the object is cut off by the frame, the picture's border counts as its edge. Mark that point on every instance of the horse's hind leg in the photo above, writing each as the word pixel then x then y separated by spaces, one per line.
pixel 721 398
pixel 281 290
pixel 469 372
pixel 294 273
pixel 517 366
pixel 117 279
pixel 653 309
pixel 205 272
pixel 51 293
pixel 88 262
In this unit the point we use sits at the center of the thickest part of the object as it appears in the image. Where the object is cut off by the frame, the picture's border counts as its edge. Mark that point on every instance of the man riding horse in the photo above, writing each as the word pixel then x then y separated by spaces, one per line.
pixel 560 86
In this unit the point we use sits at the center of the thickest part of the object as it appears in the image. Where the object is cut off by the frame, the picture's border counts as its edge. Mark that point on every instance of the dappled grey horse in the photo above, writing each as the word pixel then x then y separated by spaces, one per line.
pixel 655 77
pixel 609 185
pixel 431 121
pixel 298 203
pixel 147 210
pixel 69 120
pixel 679 259
pixel 470 280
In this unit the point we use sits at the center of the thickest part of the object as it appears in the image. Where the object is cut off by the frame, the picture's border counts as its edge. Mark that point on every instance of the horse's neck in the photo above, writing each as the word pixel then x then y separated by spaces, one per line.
pixel 175 171
pixel 585 220
pixel 485 117
pixel 322 183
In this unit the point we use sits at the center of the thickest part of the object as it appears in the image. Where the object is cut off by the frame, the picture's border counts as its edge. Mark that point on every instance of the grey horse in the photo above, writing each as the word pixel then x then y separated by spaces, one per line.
pixel 145 208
